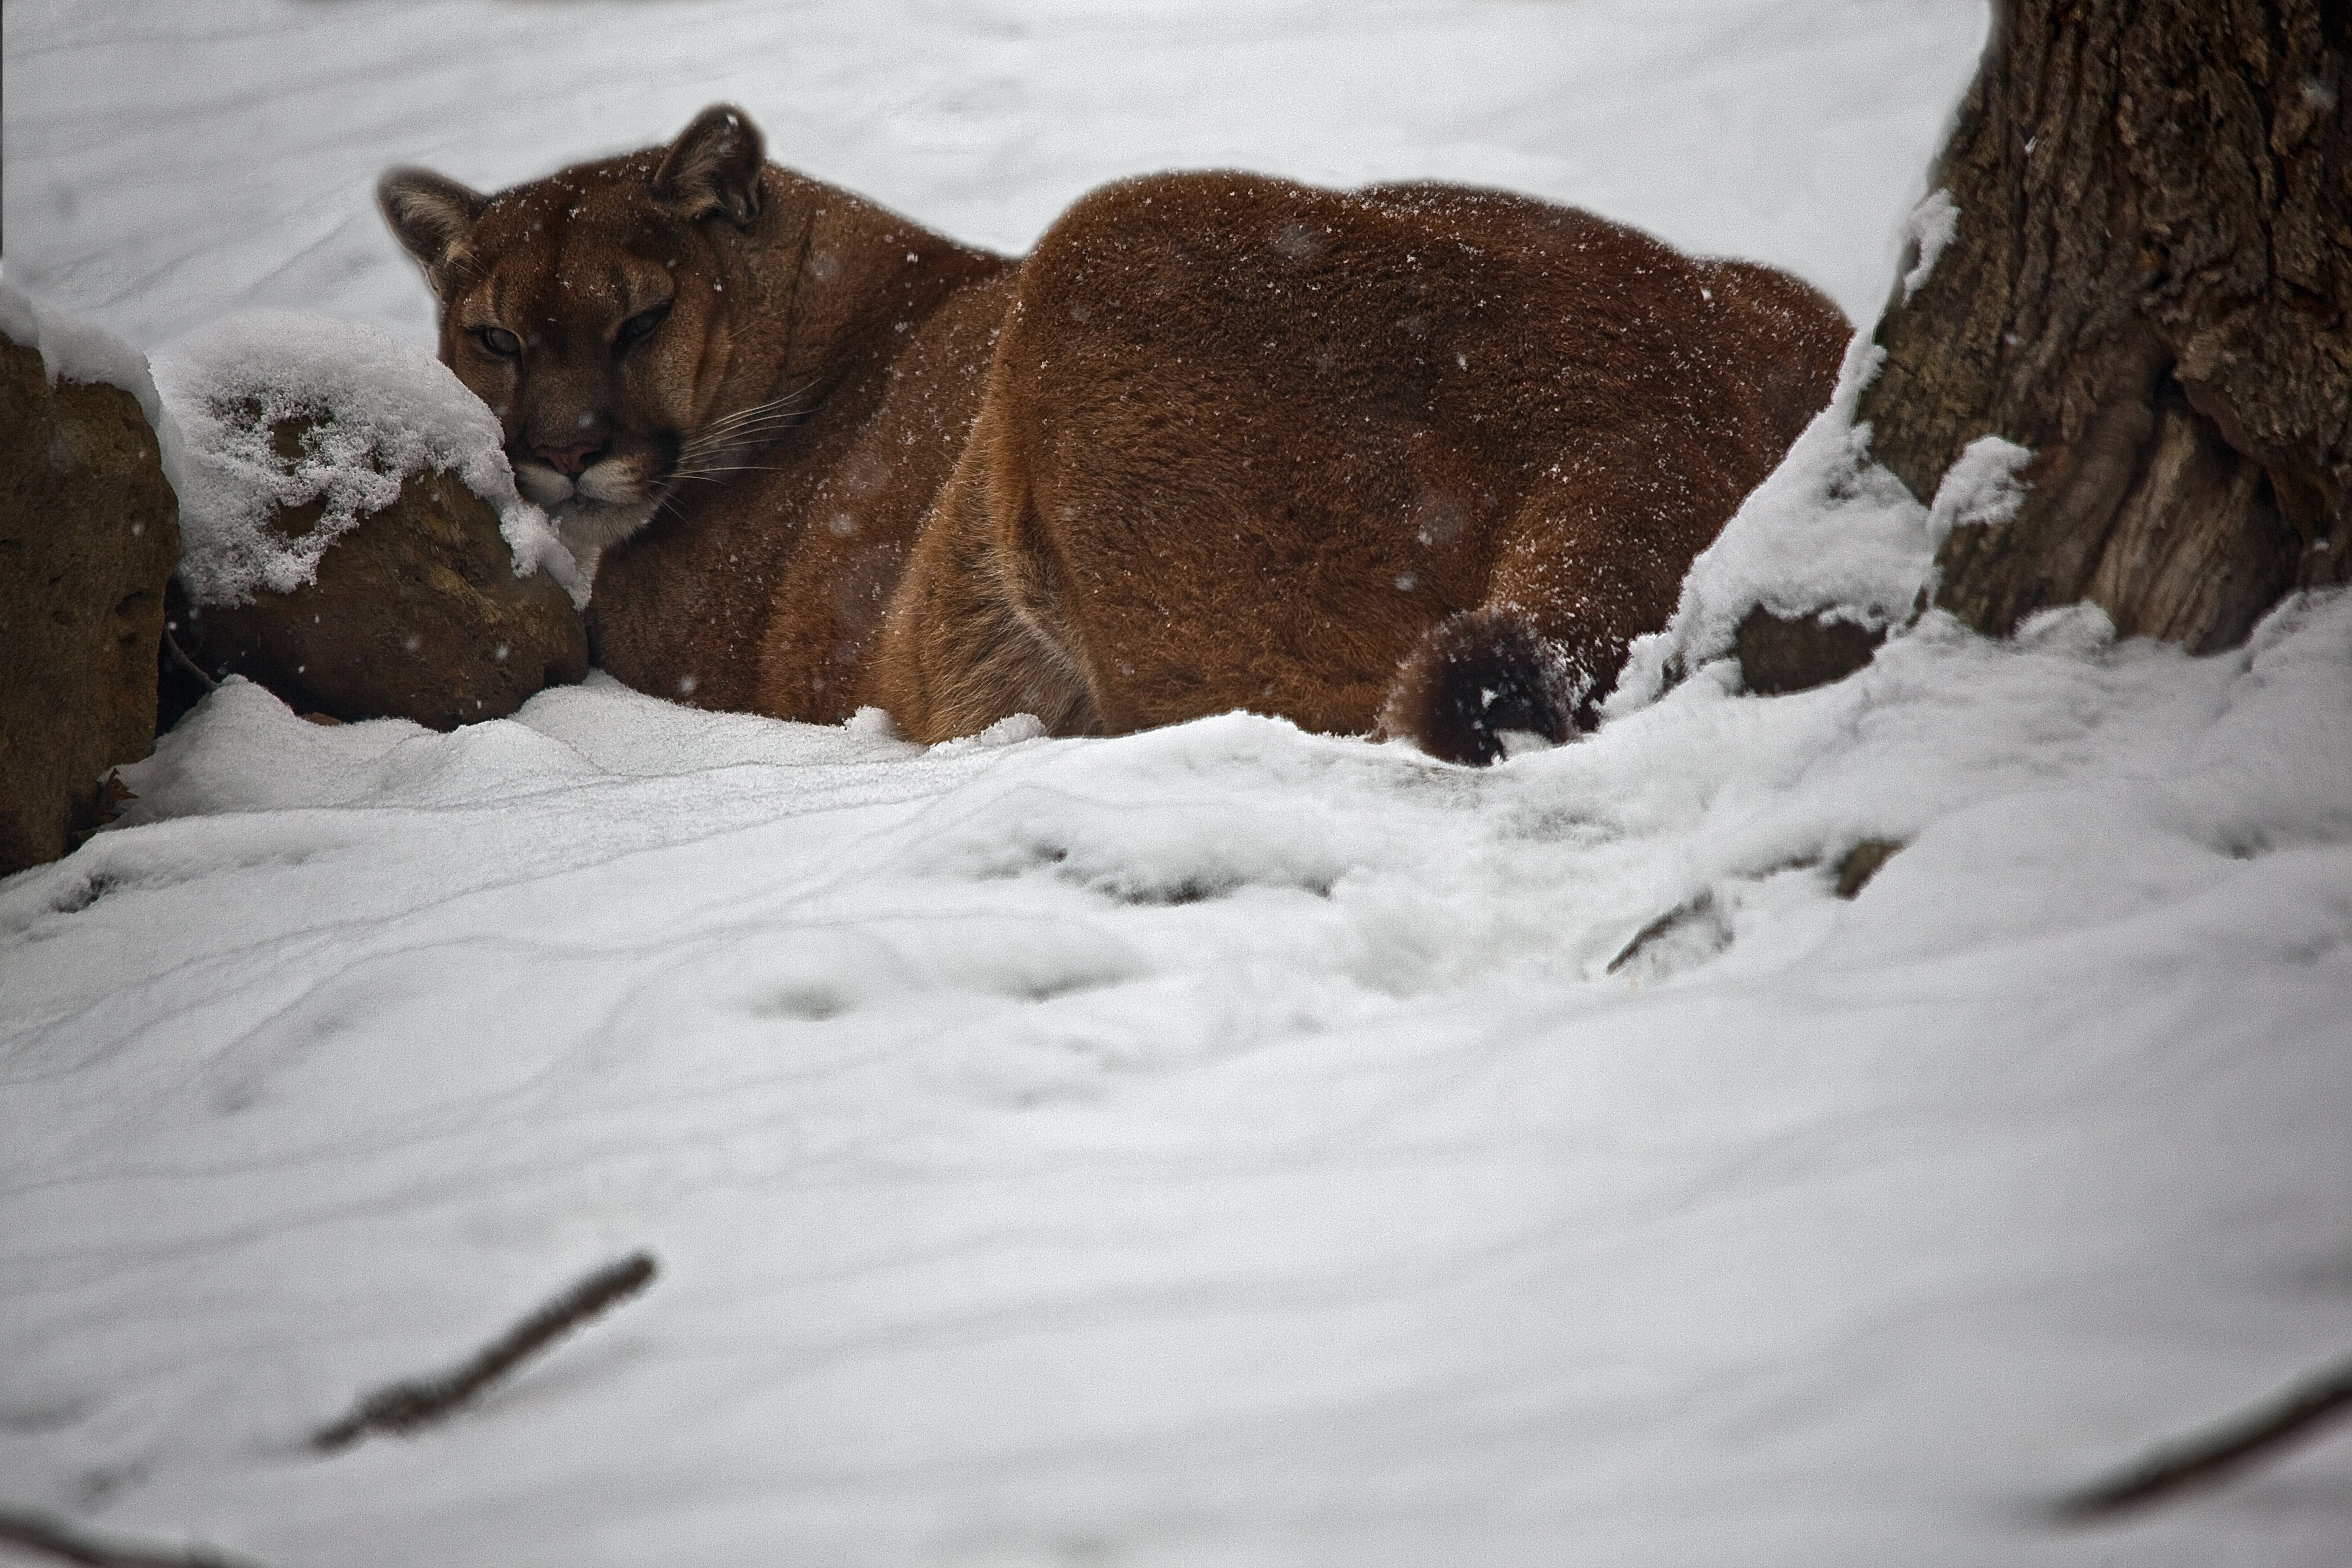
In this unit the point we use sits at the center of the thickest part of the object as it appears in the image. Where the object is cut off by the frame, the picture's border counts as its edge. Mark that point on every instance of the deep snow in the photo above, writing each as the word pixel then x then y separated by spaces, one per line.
pixel 1216 1146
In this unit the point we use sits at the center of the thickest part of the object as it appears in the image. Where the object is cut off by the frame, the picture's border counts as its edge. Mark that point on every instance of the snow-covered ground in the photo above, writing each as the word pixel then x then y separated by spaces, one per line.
pixel 1218 1146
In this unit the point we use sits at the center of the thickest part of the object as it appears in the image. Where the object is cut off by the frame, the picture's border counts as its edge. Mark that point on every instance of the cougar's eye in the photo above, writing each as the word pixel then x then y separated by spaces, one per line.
pixel 637 326
pixel 500 341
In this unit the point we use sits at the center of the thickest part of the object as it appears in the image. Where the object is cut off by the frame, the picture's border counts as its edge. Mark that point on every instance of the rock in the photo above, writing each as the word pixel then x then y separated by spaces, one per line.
pixel 1858 864
pixel 1778 656
pixel 415 613
pixel 1693 931
pixel 89 532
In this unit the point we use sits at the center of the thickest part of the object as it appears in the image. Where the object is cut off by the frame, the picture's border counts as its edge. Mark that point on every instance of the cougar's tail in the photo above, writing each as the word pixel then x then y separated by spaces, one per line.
pixel 1479 674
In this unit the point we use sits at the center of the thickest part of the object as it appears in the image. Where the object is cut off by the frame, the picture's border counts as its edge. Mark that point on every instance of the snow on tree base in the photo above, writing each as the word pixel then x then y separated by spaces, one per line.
pixel 1831 536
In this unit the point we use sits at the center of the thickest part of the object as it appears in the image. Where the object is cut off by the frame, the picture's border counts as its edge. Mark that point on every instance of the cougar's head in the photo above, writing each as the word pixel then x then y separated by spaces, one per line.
pixel 592 312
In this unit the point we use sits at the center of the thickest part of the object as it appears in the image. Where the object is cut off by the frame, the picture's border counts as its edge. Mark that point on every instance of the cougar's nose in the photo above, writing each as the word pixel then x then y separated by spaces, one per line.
pixel 568 461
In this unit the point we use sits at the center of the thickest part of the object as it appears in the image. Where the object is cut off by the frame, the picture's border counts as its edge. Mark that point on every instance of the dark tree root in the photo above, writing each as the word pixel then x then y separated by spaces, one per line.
pixel 2212 1457
pixel 405 1407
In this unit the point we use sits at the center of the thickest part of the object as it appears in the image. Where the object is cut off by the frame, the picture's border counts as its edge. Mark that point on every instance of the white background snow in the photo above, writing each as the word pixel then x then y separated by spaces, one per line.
pixel 1218 1146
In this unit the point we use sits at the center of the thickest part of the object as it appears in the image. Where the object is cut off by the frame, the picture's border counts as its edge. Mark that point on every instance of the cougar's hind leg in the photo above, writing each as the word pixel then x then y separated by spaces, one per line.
pixel 963 645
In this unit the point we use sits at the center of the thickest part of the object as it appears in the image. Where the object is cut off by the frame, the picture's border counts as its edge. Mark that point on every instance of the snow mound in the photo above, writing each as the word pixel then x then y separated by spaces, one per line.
pixel 75 350
pixel 371 412
pixel 1830 533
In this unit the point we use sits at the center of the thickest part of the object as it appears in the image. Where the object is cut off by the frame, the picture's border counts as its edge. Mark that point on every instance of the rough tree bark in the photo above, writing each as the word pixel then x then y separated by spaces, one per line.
pixel 2151 285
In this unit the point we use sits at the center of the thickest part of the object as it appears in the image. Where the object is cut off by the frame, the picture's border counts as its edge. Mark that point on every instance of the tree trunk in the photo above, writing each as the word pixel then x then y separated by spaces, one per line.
pixel 2149 285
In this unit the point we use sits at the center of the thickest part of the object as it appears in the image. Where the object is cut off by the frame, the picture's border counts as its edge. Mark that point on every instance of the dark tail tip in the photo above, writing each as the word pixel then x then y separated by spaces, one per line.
pixel 1476 675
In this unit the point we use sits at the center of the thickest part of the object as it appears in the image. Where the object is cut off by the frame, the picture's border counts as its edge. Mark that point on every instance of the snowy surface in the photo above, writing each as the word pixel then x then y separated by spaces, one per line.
pixel 1218 1146
pixel 370 410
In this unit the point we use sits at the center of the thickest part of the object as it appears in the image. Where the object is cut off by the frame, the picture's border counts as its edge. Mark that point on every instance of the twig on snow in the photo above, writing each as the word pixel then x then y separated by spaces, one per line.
pixel 2208 1457
pixel 39 1532
pixel 419 1402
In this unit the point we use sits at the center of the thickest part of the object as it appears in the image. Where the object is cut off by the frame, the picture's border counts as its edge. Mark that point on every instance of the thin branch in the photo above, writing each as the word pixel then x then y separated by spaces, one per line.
pixel 405 1407
pixel 180 656
pixel 39 1532
pixel 2208 1457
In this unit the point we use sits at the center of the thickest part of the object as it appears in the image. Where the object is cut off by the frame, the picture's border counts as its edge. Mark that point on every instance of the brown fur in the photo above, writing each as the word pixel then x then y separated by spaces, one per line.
pixel 846 347
pixel 1420 456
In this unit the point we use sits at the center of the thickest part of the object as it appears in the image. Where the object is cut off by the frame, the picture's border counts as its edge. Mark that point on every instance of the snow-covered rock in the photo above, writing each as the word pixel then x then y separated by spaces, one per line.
pixel 275 412
pixel 88 539
pixel 79 351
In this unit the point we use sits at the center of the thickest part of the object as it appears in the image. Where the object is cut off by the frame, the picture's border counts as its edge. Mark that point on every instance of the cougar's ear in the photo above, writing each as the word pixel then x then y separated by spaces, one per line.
pixel 430 216
pixel 714 167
